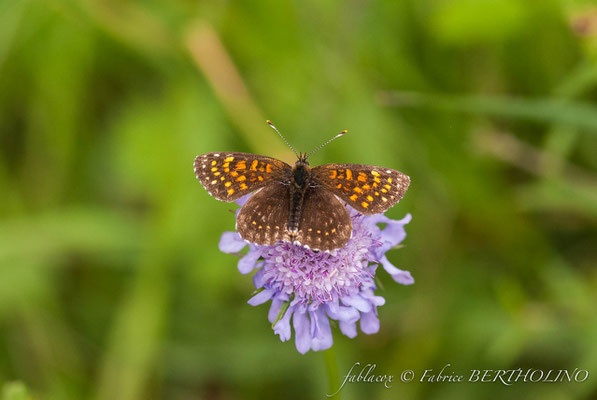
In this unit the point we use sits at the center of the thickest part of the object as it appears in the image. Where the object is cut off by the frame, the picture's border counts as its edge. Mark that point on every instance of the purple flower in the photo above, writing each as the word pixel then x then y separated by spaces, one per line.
pixel 310 288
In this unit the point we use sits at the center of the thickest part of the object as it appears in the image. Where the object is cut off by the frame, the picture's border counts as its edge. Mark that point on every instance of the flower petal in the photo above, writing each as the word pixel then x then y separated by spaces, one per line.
pixel 231 242
pixel 357 302
pixel 369 323
pixel 259 278
pixel 377 300
pixel 249 261
pixel 282 327
pixel 261 297
pixel 348 328
pixel 323 335
pixel 332 308
pixel 274 309
pixel 369 295
pixel 400 276
pixel 392 234
pixel 373 220
pixel 301 329
pixel 341 313
pixel 241 201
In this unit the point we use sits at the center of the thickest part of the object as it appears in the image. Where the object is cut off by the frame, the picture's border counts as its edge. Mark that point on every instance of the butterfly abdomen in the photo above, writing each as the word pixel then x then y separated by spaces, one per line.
pixel 300 179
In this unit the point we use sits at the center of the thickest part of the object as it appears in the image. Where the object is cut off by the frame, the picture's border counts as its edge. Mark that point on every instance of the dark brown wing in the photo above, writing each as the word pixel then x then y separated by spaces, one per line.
pixel 228 176
pixel 366 188
pixel 263 218
pixel 325 223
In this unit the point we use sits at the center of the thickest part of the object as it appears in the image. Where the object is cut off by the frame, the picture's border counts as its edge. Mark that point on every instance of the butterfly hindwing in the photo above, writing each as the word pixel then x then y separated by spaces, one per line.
pixel 264 217
pixel 325 223
pixel 366 188
pixel 229 176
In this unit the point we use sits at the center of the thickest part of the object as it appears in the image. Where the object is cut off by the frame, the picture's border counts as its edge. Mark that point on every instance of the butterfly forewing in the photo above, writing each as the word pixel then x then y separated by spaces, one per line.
pixel 263 218
pixel 325 223
pixel 228 176
pixel 366 188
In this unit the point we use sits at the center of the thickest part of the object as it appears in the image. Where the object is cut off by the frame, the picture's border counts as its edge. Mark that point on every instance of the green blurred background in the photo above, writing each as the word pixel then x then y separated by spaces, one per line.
pixel 111 282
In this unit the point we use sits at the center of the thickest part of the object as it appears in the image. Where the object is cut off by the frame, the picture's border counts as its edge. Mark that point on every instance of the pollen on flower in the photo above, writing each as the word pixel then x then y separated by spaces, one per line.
pixel 309 288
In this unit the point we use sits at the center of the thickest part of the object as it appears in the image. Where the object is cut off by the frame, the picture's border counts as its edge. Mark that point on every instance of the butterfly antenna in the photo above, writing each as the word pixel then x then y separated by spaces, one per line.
pixel 283 138
pixel 334 138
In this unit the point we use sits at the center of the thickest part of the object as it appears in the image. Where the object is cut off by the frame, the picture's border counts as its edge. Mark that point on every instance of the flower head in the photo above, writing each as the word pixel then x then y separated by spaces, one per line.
pixel 310 287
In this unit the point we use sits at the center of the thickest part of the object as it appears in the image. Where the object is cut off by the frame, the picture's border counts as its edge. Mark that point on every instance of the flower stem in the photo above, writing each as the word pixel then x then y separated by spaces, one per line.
pixel 331 367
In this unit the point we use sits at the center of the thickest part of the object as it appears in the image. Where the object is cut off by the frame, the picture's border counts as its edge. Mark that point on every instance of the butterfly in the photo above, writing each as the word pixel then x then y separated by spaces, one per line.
pixel 298 204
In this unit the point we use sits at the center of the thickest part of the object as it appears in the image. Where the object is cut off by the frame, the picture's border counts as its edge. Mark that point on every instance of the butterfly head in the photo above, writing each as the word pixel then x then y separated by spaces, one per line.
pixel 301 171
pixel 302 157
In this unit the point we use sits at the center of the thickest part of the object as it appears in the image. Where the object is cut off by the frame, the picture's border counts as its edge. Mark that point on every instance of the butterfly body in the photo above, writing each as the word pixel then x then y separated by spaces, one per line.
pixel 298 204
pixel 300 179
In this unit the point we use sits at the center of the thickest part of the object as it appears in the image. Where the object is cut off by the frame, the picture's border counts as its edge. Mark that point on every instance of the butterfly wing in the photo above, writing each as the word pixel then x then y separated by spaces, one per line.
pixel 228 176
pixel 366 188
pixel 264 217
pixel 325 223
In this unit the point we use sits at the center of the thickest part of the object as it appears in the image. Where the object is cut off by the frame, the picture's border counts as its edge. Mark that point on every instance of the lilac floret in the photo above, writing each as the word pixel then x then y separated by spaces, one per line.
pixel 308 288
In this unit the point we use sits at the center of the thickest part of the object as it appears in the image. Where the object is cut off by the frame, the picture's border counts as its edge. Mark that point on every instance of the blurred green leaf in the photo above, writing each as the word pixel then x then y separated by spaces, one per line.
pixel 93 231
pixel 15 391
pixel 465 22
pixel 547 110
